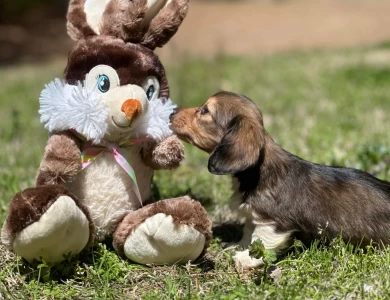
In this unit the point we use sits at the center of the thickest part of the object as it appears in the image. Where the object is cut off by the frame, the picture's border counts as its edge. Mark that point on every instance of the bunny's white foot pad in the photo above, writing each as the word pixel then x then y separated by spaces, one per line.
pixel 159 241
pixel 61 230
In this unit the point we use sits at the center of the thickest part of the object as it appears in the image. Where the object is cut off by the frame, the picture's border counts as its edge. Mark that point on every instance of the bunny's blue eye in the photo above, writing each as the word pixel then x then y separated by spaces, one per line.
pixel 150 92
pixel 103 83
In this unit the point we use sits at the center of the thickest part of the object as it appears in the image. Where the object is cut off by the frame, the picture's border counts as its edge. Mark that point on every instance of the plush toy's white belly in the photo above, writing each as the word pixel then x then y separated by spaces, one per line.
pixel 107 190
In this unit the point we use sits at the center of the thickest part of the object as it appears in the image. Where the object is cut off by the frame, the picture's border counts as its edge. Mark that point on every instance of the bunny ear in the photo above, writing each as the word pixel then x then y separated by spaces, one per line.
pixel 150 23
pixel 88 17
pixel 125 19
pixel 78 26
pixel 165 24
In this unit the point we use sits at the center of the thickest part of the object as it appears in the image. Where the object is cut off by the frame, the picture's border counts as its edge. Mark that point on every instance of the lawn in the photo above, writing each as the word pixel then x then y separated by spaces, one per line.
pixel 326 106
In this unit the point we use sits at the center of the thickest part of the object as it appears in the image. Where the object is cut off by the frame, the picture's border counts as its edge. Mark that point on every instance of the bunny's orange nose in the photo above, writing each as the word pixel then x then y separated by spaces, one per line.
pixel 132 108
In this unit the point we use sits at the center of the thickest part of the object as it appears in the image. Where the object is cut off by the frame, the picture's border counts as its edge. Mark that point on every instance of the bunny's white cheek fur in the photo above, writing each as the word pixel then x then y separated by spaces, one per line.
pixel 106 189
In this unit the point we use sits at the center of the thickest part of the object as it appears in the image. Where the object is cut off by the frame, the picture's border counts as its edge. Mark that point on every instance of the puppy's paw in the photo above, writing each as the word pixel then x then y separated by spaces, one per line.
pixel 245 262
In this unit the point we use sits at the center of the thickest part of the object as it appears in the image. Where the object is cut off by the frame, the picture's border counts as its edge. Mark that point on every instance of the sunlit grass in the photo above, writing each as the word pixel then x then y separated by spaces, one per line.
pixel 327 107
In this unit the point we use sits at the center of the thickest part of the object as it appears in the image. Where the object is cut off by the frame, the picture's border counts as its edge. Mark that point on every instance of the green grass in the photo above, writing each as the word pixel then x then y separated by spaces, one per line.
pixel 325 106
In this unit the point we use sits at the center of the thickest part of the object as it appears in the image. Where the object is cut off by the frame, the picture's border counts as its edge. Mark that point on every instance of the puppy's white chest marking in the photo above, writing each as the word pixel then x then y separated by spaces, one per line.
pixel 253 231
pixel 267 234
pixel 107 190
pixel 255 228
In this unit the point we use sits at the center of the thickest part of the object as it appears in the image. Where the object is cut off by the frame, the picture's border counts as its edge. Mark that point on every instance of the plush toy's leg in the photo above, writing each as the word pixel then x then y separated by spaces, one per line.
pixel 172 231
pixel 47 222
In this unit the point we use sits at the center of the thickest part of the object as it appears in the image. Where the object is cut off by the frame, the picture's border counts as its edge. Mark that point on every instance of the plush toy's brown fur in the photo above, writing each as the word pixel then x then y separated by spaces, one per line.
pixel 61 159
pixel 127 34
pixel 126 20
pixel 77 25
pixel 121 56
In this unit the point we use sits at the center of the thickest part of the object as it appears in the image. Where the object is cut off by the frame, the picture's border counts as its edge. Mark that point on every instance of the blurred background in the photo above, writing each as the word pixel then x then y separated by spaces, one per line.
pixel 35 29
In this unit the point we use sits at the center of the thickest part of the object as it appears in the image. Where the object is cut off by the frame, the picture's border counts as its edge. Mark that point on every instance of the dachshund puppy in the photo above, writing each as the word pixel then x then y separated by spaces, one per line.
pixel 284 196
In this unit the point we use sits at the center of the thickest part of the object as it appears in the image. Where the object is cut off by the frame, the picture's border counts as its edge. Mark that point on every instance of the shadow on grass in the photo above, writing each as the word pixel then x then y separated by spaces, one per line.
pixel 230 232
pixel 92 260
pixel 44 272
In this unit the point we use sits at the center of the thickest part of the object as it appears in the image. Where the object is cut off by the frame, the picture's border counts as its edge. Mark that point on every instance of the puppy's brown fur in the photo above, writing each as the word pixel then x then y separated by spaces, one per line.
pixel 287 196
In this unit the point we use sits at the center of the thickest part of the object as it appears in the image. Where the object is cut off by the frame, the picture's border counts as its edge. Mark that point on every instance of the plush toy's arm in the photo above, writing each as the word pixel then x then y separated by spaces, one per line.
pixel 61 159
pixel 166 155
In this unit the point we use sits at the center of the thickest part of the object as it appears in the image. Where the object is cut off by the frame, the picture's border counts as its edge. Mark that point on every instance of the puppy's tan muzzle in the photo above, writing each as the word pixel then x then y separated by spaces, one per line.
pixel 132 108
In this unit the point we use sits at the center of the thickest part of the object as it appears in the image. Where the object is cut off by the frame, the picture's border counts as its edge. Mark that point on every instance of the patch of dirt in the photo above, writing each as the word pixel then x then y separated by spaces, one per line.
pixel 262 27
pixel 231 27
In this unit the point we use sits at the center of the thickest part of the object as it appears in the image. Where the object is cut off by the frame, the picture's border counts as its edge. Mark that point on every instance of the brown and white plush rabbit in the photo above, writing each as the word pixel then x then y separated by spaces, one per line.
pixel 109 130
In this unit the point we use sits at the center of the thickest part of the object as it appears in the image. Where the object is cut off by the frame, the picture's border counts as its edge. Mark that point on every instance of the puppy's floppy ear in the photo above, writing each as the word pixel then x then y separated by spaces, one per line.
pixel 239 149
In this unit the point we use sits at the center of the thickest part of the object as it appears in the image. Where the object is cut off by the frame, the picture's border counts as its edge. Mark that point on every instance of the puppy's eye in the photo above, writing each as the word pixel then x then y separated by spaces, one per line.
pixel 204 110
pixel 103 83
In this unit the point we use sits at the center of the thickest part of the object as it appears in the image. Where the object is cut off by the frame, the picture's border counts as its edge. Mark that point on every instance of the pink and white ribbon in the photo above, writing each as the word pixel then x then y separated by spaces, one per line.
pixel 121 155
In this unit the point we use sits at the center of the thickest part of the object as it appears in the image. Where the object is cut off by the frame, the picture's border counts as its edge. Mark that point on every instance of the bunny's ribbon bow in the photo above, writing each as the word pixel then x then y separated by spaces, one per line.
pixel 121 155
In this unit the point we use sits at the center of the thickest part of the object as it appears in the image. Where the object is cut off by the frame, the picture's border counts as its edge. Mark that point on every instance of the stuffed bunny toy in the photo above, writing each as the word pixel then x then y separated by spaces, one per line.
pixel 109 130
